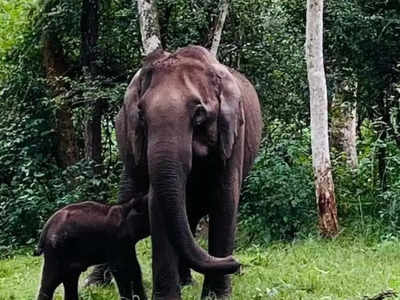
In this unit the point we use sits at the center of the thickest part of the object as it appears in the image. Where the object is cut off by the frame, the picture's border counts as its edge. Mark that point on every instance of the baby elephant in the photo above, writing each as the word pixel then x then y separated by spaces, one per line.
pixel 89 233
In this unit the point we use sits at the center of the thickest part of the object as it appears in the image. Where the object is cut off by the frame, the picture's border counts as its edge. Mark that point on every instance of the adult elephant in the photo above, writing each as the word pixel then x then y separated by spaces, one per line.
pixel 188 132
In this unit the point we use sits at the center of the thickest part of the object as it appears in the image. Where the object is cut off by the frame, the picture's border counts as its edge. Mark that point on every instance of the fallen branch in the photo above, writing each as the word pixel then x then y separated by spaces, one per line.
pixel 382 295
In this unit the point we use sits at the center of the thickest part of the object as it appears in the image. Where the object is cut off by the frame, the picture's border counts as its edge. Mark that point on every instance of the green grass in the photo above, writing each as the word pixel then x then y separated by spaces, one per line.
pixel 345 268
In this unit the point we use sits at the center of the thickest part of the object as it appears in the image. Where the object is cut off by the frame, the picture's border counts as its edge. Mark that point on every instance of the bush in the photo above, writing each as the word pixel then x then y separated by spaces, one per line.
pixel 26 203
pixel 388 194
pixel 278 198
pixel 362 195
pixel 32 186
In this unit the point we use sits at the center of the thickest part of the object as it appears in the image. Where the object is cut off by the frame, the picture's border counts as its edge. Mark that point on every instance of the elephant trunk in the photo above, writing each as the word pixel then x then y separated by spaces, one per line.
pixel 168 174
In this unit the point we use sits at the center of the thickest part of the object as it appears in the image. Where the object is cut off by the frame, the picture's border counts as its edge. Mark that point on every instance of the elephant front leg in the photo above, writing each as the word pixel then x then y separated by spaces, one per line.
pixel 166 285
pixel 222 226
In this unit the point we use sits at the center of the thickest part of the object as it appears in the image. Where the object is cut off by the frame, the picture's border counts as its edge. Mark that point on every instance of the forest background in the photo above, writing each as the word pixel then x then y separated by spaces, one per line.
pixel 58 102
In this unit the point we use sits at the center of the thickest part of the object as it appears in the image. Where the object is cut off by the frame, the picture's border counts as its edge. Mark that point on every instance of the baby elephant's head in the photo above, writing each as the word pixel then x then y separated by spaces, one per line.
pixel 138 218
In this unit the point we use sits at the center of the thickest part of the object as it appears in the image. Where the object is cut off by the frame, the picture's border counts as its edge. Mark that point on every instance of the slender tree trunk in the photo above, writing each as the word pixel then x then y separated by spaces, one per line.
pixel 55 66
pixel 324 186
pixel 207 30
pixel 149 27
pixel 89 37
pixel 344 122
pixel 223 11
pixel 384 127
pixel 93 145
pixel 349 132
pixel 381 156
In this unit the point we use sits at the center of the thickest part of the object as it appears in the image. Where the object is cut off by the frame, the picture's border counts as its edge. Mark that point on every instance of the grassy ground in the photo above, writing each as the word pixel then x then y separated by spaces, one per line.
pixel 345 268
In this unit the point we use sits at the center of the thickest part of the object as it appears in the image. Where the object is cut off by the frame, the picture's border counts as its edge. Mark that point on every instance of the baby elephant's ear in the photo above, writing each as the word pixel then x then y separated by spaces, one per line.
pixel 130 138
pixel 230 115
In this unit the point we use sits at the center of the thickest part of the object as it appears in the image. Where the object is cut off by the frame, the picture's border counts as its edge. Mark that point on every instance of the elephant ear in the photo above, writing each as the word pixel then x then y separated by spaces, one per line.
pixel 130 137
pixel 230 115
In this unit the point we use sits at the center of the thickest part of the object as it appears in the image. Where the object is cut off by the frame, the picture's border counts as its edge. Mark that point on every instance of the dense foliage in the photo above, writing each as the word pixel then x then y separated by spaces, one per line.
pixel 263 39
pixel 279 193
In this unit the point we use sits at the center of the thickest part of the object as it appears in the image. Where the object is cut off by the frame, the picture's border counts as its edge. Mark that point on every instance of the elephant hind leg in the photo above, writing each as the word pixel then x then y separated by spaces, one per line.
pixel 123 281
pixel 70 283
pixel 220 244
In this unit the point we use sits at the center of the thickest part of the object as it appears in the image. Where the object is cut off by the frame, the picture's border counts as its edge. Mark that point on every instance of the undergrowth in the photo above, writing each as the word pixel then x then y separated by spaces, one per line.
pixel 349 267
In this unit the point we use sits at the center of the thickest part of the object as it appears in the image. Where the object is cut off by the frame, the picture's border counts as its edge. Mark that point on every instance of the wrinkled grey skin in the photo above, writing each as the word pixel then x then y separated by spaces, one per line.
pixel 88 233
pixel 188 132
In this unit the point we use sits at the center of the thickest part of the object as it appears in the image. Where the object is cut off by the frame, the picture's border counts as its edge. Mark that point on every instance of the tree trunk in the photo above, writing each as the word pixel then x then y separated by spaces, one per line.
pixel 344 122
pixel 93 145
pixel 384 128
pixel 324 187
pixel 55 66
pixel 223 11
pixel 89 33
pixel 381 156
pixel 149 27
pixel 89 37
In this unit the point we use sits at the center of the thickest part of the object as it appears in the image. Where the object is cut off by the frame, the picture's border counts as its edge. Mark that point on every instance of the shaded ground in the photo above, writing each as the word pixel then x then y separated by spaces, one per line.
pixel 345 268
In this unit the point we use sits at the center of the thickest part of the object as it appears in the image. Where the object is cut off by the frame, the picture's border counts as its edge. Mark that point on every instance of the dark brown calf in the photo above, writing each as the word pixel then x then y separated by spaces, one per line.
pixel 89 233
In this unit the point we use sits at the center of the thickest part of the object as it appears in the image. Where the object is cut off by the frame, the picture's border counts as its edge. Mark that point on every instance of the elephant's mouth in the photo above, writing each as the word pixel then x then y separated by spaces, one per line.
pixel 200 149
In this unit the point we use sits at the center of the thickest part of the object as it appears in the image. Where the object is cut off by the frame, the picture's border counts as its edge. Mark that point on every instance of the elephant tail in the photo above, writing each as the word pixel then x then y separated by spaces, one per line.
pixel 42 240
pixel 40 246
pixel 37 251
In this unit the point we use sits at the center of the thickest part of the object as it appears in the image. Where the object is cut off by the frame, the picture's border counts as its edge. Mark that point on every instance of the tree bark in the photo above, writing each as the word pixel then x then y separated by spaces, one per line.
pixel 149 27
pixel 328 222
pixel 223 11
pixel 93 145
pixel 344 122
pixel 55 66
pixel 89 36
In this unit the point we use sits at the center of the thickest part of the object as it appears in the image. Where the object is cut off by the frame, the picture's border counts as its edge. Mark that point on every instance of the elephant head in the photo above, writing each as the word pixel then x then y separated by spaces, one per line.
pixel 176 107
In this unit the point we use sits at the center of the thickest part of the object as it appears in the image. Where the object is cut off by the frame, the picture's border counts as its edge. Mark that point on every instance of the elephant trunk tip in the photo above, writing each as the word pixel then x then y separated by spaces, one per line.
pixel 233 266
pixel 225 265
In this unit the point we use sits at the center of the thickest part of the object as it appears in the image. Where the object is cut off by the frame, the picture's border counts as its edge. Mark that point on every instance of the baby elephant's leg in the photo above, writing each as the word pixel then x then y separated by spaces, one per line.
pixel 136 276
pixel 70 282
pixel 51 278
pixel 121 274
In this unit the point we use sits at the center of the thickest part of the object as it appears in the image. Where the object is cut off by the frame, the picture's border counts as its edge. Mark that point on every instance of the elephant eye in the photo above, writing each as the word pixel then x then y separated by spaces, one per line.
pixel 200 115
